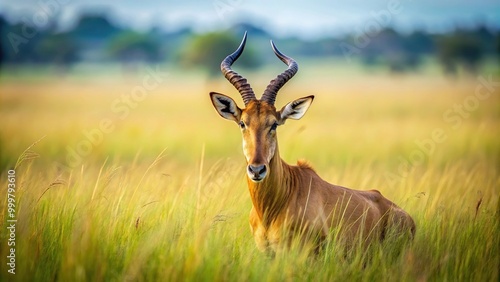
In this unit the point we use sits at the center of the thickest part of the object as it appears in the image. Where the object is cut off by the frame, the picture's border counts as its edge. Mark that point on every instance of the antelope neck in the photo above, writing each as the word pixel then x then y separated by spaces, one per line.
pixel 271 195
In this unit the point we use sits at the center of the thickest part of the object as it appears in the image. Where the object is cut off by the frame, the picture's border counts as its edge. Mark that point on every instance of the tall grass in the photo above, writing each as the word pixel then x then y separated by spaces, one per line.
pixel 163 196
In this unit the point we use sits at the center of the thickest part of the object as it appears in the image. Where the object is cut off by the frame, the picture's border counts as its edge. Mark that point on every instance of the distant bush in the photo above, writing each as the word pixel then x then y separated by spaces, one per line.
pixel 131 46
pixel 460 48
pixel 208 50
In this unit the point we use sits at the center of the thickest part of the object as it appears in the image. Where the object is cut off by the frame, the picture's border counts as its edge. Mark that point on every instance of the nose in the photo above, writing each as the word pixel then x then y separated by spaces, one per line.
pixel 256 172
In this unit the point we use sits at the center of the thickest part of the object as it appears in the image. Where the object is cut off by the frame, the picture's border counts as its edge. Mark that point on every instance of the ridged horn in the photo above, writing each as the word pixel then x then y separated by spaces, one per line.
pixel 275 85
pixel 238 81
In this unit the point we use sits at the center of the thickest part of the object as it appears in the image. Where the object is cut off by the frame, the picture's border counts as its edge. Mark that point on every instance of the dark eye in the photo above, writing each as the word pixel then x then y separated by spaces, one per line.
pixel 274 126
pixel 242 124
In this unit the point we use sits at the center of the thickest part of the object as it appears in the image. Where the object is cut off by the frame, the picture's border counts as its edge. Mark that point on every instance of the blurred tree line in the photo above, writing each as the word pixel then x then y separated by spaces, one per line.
pixel 96 39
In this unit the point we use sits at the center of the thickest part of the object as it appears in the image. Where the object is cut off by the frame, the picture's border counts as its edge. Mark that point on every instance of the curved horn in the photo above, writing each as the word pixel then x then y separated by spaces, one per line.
pixel 239 82
pixel 276 84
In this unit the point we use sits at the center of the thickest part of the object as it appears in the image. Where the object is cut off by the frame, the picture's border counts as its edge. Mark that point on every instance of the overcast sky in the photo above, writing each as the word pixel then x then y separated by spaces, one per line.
pixel 295 18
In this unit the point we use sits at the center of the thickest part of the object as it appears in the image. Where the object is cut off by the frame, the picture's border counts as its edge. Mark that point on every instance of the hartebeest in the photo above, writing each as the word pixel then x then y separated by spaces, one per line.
pixel 290 200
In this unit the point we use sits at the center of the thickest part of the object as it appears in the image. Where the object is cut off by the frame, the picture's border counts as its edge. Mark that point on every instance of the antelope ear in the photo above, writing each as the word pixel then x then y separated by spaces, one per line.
pixel 295 109
pixel 225 106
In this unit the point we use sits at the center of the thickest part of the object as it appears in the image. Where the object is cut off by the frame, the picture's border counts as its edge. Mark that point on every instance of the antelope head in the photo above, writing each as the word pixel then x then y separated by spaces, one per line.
pixel 259 119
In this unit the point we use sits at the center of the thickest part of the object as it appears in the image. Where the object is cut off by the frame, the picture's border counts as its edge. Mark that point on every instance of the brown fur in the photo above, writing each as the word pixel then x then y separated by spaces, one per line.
pixel 294 200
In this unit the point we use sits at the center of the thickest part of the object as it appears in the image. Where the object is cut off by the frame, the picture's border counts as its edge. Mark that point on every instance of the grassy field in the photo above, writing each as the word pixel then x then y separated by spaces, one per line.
pixel 115 184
